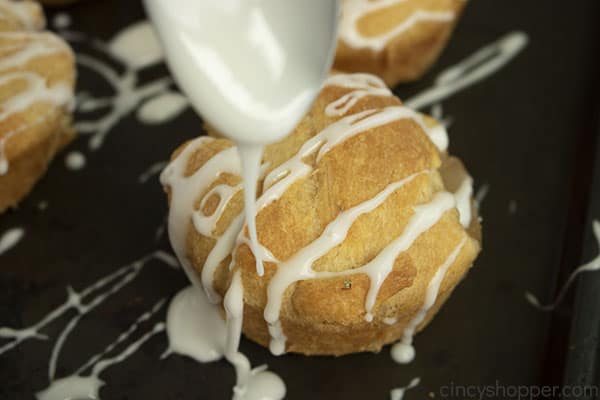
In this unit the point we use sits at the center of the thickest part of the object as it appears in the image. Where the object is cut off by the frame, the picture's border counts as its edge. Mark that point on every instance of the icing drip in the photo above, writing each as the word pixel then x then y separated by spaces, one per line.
pixel 398 393
pixel 195 328
pixel 61 20
pixel 77 386
pixel 593 265
pixel 299 266
pixel 481 194
pixel 36 91
pixel 365 85
pixel 512 207
pixel 282 177
pixel 463 200
pixel 403 352
pixel 354 10
pixel 152 170
pixel 471 70
pixel 136 47
pixel 75 160
pixel 10 239
pixel 98 292
pixel 183 196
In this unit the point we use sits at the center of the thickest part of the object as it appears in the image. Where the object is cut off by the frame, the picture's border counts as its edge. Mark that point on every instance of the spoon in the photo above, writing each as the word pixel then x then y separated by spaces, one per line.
pixel 251 68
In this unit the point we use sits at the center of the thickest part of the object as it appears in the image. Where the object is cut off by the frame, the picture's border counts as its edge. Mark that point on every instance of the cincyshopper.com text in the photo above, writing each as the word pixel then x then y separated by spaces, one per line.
pixel 517 392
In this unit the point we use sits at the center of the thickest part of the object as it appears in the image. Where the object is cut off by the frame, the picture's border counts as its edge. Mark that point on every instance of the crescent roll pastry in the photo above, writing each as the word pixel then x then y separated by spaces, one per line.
pixel 37 74
pixel 365 223
pixel 397 40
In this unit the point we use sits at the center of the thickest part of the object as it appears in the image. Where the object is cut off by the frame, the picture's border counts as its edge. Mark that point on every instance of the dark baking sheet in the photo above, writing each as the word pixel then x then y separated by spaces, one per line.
pixel 528 132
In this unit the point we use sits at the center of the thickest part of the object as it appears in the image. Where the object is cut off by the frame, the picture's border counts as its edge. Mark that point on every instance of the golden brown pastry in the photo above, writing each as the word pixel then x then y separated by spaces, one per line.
pixel 37 74
pixel 361 215
pixel 397 40
pixel 21 15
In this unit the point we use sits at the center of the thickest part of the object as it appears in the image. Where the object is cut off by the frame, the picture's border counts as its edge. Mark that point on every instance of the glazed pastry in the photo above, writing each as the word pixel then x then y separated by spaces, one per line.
pixel 366 225
pixel 397 40
pixel 37 74
pixel 20 15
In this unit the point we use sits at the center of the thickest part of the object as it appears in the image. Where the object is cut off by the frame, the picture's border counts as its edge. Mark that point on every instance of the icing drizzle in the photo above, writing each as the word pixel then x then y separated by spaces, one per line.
pixel 184 194
pixel 593 265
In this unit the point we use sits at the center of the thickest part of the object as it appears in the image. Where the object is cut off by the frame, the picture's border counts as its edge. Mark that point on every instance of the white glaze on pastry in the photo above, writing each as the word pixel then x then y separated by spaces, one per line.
pixel 354 10
pixel 593 265
pixel 25 12
pixel 403 352
pixel 36 90
pixel 184 191
pixel 365 85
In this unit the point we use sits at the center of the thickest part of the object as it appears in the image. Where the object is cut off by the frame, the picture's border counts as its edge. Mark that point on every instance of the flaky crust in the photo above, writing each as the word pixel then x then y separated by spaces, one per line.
pixel 324 316
pixel 35 133
pixel 407 56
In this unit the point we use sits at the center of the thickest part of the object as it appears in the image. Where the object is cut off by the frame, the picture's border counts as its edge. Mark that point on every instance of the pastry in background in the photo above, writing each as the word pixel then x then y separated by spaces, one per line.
pixel 37 76
pixel 366 224
pixel 397 40
pixel 21 15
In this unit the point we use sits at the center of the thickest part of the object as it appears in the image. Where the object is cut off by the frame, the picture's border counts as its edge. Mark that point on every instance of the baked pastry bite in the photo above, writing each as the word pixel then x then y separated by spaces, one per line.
pixel 37 75
pixel 21 15
pixel 360 208
pixel 397 40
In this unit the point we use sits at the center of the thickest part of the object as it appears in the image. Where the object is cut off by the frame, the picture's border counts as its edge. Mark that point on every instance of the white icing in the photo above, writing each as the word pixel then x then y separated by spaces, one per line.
pixel 61 20
pixel 137 46
pixel 512 207
pixel 403 352
pixel 463 200
pixel 98 292
pixel 398 393
pixel 195 329
pixel 184 193
pixel 10 239
pixel 35 45
pixel 152 170
pixel 79 387
pixel 593 265
pixel 162 108
pixel 299 266
pixel 35 91
pixel 481 194
pixel 365 85
pixel 75 160
pixel 481 64
pixel 354 10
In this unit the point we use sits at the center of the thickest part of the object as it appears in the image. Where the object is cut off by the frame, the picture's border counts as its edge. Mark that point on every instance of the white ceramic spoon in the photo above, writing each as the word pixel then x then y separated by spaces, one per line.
pixel 251 68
